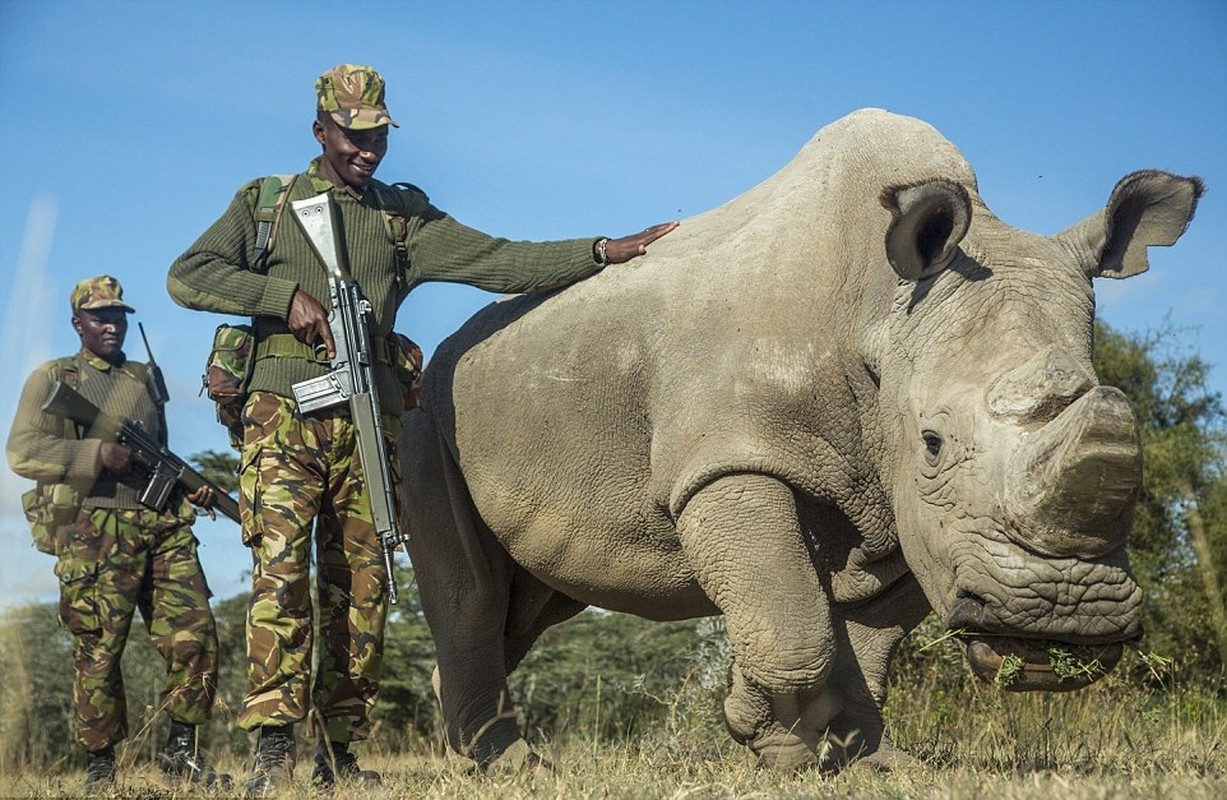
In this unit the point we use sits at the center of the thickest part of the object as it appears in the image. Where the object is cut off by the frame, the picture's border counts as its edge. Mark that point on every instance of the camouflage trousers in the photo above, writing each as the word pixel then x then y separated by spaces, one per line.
pixel 295 471
pixel 112 562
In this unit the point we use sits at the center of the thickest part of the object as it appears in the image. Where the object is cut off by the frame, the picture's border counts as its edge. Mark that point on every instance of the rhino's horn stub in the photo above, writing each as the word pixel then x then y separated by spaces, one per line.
pixel 928 221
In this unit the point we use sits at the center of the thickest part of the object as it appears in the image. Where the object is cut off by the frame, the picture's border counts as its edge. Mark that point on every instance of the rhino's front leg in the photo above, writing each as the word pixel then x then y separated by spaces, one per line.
pixel 744 541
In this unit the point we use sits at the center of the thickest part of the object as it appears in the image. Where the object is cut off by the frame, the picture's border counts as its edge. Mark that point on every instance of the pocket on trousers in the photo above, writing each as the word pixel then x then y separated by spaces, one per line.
pixel 79 595
pixel 249 493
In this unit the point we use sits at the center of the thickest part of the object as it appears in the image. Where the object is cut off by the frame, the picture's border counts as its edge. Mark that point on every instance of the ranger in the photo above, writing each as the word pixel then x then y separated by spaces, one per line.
pixel 114 554
pixel 300 472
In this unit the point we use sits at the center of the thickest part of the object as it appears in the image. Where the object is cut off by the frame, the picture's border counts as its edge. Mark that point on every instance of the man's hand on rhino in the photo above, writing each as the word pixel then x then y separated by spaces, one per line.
pixel 619 251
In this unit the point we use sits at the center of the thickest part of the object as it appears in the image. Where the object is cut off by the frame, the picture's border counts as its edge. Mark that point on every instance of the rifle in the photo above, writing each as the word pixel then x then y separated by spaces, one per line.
pixel 351 375
pixel 164 468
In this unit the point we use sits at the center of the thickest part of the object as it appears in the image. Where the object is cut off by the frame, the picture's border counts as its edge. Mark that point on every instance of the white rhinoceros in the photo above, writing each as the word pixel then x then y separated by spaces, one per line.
pixel 844 398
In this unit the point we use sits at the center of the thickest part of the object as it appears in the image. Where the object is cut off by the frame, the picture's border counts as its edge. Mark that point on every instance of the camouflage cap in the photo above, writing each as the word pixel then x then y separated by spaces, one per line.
pixel 353 96
pixel 101 291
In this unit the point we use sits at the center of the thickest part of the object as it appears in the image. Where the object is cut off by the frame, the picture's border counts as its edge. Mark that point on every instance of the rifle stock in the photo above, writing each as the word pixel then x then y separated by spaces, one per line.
pixel 163 468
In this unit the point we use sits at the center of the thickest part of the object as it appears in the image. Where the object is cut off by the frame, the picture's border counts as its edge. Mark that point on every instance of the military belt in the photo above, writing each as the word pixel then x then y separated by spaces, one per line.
pixel 284 345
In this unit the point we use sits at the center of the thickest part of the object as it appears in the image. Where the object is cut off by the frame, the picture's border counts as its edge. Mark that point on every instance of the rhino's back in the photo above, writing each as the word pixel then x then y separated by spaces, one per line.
pixel 582 418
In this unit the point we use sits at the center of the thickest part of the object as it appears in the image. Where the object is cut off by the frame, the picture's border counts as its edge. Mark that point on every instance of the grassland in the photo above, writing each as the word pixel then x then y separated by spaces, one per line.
pixel 1108 741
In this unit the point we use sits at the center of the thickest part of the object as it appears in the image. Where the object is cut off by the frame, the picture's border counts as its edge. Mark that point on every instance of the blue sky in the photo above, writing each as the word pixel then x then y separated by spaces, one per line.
pixel 129 125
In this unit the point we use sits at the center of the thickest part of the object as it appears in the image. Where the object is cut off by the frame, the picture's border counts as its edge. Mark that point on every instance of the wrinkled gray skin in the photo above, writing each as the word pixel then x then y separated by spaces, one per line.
pixel 846 397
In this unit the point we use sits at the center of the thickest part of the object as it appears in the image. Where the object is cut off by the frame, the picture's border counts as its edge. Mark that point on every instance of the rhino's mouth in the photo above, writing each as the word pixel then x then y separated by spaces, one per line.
pixel 1015 662
pixel 1027 665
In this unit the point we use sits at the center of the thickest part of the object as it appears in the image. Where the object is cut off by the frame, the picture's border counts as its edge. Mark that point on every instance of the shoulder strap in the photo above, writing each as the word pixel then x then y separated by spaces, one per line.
pixel 140 373
pixel 65 369
pixel 391 201
pixel 274 191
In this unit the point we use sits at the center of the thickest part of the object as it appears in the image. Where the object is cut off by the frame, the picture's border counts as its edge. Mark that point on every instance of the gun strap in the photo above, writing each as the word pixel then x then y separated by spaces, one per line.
pixel 275 191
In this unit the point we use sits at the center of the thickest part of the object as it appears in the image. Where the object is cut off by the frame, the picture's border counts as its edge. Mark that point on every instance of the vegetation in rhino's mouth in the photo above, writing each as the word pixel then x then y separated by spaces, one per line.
pixel 1067 663
pixel 1009 672
pixel 1072 662
pixel 1018 664
pixel 1078 665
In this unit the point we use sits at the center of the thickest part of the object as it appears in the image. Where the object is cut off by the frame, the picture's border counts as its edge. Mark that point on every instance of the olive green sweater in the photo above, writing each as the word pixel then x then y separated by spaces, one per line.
pixel 44 448
pixel 217 273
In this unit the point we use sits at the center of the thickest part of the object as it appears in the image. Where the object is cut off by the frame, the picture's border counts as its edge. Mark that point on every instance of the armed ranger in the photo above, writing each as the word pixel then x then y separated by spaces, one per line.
pixel 351 375
pixel 163 468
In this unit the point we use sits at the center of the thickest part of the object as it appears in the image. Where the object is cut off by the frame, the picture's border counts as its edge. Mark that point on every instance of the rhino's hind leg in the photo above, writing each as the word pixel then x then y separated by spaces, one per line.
pixel 533 608
pixel 735 531
pixel 464 580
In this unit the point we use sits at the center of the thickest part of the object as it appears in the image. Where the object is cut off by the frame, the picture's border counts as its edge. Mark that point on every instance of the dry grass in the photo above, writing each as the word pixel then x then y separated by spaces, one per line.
pixel 620 772
pixel 1103 742
pixel 970 740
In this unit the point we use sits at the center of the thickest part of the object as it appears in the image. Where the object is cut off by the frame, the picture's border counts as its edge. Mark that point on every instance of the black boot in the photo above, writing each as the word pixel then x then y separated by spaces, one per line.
pixel 342 765
pixel 274 759
pixel 181 760
pixel 100 770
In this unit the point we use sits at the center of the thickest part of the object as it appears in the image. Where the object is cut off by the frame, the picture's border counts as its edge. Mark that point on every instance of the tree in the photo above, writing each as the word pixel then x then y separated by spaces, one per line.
pixel 1179 530
pixel 220 468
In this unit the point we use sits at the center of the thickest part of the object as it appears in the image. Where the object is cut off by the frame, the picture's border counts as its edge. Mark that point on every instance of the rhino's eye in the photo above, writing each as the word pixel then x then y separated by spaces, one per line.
pixel 933 442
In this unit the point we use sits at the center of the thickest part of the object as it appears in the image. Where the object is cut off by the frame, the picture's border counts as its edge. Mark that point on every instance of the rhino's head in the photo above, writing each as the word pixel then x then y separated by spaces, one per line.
pixel 1014 473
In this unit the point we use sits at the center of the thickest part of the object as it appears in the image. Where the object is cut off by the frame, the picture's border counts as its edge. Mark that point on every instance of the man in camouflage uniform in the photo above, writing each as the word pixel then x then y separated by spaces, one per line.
pixel 115 555
pixel 298 470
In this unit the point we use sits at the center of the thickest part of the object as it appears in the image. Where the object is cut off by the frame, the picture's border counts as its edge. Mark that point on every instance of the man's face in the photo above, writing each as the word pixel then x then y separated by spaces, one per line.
pixel 350 157
pixel 102 330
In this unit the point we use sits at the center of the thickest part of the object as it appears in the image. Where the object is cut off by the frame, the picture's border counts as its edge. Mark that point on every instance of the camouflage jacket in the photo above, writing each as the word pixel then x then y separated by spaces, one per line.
pixel 218 273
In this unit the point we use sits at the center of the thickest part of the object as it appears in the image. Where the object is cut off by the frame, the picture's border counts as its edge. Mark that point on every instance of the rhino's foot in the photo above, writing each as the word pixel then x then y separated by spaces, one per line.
pixel 885 759
pixel 749 721
pixel 515 758
pixel 781 750
pixel 785 730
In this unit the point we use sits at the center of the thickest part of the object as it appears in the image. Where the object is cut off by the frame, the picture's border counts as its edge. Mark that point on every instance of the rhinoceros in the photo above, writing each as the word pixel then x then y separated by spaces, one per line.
pixel 845 398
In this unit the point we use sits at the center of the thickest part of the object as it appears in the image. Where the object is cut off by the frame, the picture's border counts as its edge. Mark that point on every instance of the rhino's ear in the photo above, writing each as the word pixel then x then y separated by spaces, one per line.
pixel 1148 208
pixel 928 220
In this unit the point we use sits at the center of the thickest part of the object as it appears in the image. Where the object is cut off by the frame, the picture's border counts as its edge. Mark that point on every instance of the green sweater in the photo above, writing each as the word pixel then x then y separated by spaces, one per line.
pixel 44 448
pixel 217 273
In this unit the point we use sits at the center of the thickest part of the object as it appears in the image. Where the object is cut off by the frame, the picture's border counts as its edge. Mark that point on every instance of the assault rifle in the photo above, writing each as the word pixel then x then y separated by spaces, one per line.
pixel 351 374
pixel 163 468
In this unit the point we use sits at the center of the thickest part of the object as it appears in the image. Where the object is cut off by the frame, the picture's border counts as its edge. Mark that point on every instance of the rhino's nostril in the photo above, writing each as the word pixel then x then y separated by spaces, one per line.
pixel 968 613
